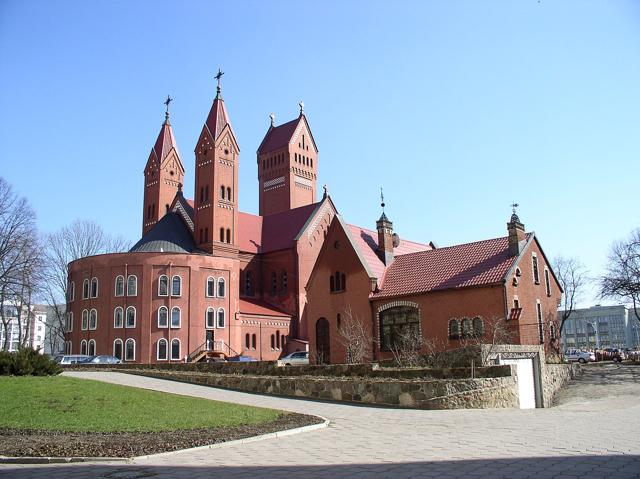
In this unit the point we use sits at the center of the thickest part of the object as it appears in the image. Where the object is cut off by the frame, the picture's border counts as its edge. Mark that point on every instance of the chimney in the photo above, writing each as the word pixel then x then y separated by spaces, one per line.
pixel 385 239
pixel 516 233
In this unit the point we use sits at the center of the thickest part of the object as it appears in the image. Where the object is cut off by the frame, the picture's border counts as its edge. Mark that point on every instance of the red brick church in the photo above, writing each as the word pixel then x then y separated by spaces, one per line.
pixel 206 279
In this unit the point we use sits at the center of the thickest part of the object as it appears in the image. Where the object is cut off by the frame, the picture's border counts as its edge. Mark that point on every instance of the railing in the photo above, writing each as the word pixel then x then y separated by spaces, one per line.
pixel 212 346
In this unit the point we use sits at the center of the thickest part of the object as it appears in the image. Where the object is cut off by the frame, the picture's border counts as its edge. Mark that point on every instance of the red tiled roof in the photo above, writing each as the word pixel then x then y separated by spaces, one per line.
pixel 367 242
pixel 472 264
pixel 218 118
pixel 164 143
pixel 252 306
pixel 262 234
pixel 279 136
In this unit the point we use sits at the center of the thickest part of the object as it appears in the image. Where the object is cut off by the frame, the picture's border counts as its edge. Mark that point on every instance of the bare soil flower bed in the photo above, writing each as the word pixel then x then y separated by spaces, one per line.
pixel 32 443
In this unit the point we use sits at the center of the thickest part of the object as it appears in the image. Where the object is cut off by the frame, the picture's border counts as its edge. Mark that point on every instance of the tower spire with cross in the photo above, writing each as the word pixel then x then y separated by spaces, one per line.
pixel 166 112
pixel 218 76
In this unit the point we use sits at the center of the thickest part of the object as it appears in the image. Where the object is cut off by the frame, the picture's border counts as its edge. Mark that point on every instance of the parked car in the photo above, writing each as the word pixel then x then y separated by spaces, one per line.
pixel 71 358
pixel 241 359
pixel 613 354
pixel 298 358
pixel 579 355
pixel 103 359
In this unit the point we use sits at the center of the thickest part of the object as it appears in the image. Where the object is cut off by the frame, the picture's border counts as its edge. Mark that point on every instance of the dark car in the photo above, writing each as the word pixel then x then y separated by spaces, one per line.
pixel 242 359
pixel 103 359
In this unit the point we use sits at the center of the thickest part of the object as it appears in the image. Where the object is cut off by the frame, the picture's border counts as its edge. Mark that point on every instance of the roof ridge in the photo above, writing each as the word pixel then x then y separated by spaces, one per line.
pixel 375 232
pixel 457 245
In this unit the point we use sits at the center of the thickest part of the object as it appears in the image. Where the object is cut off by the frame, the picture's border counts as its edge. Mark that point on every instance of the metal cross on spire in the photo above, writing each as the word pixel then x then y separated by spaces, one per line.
pixel 514 206
pixel 218 76
pixel 272 116
pixel 382 199
pixel 301 105
pixel 166 103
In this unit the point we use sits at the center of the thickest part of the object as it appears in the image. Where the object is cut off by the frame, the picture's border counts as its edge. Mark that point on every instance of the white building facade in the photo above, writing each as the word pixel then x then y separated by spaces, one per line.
pixel 28 329
pixel 601 327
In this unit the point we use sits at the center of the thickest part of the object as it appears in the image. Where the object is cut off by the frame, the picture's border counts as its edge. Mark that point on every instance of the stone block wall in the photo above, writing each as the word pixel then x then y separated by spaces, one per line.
pixel 554 377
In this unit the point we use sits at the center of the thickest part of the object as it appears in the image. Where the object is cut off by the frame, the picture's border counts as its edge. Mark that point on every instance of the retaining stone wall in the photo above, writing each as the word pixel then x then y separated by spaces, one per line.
pixel 554 377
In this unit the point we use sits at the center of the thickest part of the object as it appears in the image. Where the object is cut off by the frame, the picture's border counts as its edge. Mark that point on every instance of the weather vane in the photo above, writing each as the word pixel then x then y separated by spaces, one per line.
pixel 217 77
pixel 381 199
pixel 273 118
pixel 301 105
pixel 514 206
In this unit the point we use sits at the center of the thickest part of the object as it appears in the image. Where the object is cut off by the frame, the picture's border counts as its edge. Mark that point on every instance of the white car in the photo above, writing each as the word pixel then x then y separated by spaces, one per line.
pixel 298 358
pixel 579 355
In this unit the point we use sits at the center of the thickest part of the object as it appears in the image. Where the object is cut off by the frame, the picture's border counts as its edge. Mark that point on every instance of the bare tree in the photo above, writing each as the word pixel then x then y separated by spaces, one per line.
pixel 355 337
pixel 487 334
pixel 622 277
pixel 406 346
pixel 81 238
pixel 572 277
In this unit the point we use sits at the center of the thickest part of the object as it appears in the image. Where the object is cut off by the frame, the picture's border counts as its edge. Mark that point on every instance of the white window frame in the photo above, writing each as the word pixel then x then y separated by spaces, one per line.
pixel 118 340
pixel 86 289
pixel 166 350
pixel 171 326
pixel 84 347
pixel 222 282
pixel 179 350
pixel 84 324
pixel 72 291
pixel 206 317
pixel 115 286
pixel 69 326
pixel 224 318
pixel 547 282
pixel 91 341
pixel 160 283
pixel 166 325
pixel 534 261
pixel 179 293
pixel 135 285
pixel 115 312
pixel 133 341
pixel 540 321
pixel 210 279
pixel 126 317
pixel 68 346
pixel 91 288
pixel 93 314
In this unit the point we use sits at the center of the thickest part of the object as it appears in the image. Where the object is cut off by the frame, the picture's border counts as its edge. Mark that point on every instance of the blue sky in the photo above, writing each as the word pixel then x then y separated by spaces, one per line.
pixel 456 108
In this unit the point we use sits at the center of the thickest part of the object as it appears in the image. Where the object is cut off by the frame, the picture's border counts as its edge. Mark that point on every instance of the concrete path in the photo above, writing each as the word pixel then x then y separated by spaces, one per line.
pixel 584 436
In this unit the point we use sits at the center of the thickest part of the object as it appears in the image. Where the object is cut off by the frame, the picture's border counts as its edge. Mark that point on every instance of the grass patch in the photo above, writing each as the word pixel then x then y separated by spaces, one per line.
pixel 75 405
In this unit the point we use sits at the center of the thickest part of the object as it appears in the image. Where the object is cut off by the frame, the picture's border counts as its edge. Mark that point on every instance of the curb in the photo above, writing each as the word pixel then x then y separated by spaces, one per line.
pixel 261 437
pixel 218 445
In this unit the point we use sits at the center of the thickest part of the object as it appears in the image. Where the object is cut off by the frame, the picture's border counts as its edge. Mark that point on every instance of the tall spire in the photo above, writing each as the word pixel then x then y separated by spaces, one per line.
pixel 166 113
pixel 218 77
pixel 218 118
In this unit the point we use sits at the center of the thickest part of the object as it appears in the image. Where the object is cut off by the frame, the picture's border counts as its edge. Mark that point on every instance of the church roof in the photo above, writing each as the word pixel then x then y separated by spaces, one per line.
pixel 279 136
pixel 169 235
pixel 218 118
pixel 252 306
pixel 165 142
pixel 472 264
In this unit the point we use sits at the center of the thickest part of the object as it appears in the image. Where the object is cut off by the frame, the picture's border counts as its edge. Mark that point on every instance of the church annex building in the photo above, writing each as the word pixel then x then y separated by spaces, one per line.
pixel 207 280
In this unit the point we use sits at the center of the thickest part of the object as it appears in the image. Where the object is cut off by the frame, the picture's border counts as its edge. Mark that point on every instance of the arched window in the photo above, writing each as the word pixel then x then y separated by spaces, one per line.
pixel 222 191
pixel 117 349
pixel 68 347
pixel 68 327
pixel 273 341
pixel 119 289
pixel 85 320
pixel 228 193
pixel 132 285
pixel 130 317
pixel 175 317
pixel 94 287
pixel 92 347
pixel 163 317
pixel 247 341
pixel 221 318
pixel 282 342
pixel 274 282
pixel 221 288
pixel 397 325
pixel 163 285
pixel 130 350
pixel 176 286
pixel 253 341
pixel 284 282
pixel 93 319
pixel 221 235
pixel 248 283
pixel 211 317
pixel 162 349
pixel 454 328
pixel 83 346
pixel 534 265
pixel 228 235
pixel 332 284
pixel 175 349
pixel 277 339
pixel 343 282
pixel 72 291
pixel 467 328
pixel 478 327
pixel 339 321
pixel 85 289
pixel 211 287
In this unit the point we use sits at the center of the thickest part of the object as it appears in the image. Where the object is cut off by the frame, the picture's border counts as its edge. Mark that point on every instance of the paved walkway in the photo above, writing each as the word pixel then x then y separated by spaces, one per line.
pixel 583 437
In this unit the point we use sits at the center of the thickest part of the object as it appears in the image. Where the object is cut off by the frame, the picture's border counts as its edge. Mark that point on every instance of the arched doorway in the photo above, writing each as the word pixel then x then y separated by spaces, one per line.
pixel 323 342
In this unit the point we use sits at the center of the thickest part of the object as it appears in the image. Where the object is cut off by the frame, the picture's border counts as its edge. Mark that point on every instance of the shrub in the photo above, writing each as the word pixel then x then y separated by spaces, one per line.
pixel 27 362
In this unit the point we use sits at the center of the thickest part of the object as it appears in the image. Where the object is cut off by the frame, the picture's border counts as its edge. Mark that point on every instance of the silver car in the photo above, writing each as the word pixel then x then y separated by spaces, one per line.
pixel 579 355
pixel 295 359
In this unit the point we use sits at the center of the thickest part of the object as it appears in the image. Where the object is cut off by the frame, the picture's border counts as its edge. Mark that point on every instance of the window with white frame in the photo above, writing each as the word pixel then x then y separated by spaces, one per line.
pixel 67 347
pixel 176 286
pixel 211 317
pixel 117 349
pixel 175 317
pixel 534 265
pixel 540 322
pixel 72 291
pixel 163 285
pixel 68 326
pixel 92 347
pixel 221 318
pixel 130 317
pixel 547 282
pixel 118 317
pixel 221 288
pixel 85 289
pixel 132 285
pixel 162 349
pixel 211 287
pixel 93 319
pixel 83 346
pixel 163 317
pixel 175 349
pixel 130 350
pixel 85 320
pixel 119 288
pixel 94 287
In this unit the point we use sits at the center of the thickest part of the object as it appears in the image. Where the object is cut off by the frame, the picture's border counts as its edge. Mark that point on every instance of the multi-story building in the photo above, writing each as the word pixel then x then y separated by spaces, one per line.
pixel 25 326
pixel 601 327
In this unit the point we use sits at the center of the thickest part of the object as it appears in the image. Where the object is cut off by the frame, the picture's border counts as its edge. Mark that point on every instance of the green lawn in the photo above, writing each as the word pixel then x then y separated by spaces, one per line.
pixel 70 404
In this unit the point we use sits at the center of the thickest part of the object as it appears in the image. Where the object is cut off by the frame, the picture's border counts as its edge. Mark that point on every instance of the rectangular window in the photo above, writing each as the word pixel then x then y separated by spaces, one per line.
pixel 547 283
pixel 534 263
pixel 540 323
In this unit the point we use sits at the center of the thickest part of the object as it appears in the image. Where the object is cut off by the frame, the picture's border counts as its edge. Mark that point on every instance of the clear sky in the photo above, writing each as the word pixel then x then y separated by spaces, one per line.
pixel 456 108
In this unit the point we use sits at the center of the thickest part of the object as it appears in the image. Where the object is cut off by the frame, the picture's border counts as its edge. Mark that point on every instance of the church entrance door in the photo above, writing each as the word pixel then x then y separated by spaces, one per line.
pixel 323 342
